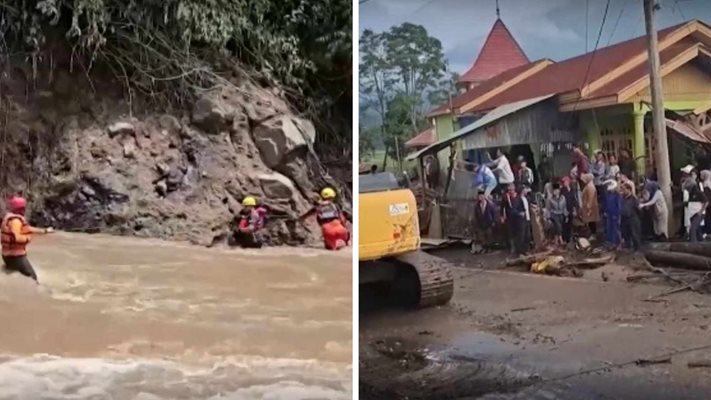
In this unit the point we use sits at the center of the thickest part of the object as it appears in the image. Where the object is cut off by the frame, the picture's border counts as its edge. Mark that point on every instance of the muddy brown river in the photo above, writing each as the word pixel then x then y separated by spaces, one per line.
pixel 124 318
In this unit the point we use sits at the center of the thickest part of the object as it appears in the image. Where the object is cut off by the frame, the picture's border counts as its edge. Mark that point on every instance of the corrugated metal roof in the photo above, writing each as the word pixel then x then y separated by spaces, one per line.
pixel 487 119
pixel 687 130
pixel 422 139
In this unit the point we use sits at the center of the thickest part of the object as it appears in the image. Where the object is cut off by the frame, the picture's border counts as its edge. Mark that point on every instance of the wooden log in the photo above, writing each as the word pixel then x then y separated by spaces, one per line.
pixel 591 262
pixel 529 259
pixel 678 260
pixel 698 248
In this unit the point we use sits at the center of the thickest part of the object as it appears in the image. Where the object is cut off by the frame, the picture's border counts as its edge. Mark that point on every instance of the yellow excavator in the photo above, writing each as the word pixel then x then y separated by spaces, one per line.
pixel 389 245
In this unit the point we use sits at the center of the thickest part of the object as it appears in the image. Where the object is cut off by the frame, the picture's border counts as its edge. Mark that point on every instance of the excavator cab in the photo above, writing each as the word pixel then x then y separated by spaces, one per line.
pixel 389 245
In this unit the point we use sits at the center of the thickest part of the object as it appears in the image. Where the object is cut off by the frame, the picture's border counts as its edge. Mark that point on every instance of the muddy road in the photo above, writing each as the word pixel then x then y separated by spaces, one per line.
pixel 514 335
pixel 149 320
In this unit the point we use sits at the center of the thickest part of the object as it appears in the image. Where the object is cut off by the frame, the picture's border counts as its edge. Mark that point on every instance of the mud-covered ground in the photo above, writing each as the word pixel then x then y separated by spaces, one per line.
pixel 514 335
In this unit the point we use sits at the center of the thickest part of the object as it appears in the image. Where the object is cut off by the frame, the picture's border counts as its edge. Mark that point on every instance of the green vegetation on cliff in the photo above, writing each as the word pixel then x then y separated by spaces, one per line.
pixel 171 50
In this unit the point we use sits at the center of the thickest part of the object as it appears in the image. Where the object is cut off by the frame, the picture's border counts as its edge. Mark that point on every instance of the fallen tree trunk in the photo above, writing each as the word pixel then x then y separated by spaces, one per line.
pixel 678 260
pixel 698 248
pixel 591 262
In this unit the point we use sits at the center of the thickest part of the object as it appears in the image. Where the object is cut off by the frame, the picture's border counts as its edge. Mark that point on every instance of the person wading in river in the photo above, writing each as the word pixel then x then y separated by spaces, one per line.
pixel 250 223
pixel 16 235
pixel 332 220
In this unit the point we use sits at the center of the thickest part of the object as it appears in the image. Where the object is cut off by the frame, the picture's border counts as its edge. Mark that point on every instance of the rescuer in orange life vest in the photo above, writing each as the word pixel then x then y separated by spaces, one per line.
pixel 16 235
pixel 250 221
pixel 332 219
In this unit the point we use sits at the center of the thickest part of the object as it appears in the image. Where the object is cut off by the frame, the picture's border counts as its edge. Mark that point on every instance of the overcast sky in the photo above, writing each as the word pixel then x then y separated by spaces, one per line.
pixel 544 28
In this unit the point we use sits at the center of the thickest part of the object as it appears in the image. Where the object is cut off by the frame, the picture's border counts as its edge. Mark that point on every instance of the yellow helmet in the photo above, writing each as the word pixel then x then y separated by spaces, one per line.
pixel 249 201
pixel 328 193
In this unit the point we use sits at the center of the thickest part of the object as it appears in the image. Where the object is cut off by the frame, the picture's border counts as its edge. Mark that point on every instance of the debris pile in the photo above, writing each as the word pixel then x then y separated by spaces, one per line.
pixel 565 263
pixel 688 265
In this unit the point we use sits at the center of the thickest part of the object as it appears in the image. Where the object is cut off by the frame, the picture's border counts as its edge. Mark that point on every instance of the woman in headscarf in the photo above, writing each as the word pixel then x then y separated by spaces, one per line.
pixel 571 203
pixel 590 208
pixel 660 213
pixel 613 210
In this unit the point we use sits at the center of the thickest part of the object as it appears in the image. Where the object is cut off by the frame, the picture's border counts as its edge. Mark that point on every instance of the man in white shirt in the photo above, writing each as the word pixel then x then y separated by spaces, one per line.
pixel 502 169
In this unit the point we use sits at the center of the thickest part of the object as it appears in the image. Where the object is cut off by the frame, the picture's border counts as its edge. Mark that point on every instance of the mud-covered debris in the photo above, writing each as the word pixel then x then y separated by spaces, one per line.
pixel 129 149
pixel 699 363
pixel 605 277
pixel 161 188
pixel 652 361
pixel 121 128
pixel 582 244
pixel 550 265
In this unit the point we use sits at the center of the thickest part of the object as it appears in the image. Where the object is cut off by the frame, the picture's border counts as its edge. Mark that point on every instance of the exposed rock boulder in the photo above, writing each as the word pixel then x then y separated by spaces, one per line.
pixel 276 138
pixel 210 115
pixel 277 186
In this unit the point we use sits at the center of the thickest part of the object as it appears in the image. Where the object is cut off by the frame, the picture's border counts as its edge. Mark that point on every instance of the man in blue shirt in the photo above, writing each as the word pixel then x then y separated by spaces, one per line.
pixel 484 178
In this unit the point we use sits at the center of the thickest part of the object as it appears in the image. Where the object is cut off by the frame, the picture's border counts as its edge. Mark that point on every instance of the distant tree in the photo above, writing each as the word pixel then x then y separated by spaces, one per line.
pixel 418 60
pixel 445 90
pixel 398 126
pixel 376 74
pixel 367 138
pixel 401 70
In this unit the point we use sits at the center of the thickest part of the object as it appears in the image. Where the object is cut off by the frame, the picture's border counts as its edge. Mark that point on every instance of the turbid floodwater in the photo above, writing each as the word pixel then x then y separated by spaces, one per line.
pixel 125 318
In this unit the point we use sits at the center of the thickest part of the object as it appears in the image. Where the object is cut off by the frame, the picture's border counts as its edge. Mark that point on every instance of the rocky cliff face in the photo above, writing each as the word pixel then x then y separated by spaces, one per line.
pixel 90 160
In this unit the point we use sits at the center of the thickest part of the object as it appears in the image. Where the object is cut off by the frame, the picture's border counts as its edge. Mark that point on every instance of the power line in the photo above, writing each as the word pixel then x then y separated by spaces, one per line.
pixel 592 57
pixel 587 19
pixel 614 28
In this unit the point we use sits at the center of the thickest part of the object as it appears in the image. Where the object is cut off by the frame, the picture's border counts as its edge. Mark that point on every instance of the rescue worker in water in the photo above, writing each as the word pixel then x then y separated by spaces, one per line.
pixel 250 221
pixel 16 235
pixel 332 220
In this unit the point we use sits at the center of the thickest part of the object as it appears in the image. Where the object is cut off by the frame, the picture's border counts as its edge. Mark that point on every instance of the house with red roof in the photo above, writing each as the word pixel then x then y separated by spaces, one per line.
pixel 500 53
pixel 604 94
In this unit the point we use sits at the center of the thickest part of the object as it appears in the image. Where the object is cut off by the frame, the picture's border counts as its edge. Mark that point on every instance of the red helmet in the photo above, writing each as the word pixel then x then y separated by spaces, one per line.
pixel 17 203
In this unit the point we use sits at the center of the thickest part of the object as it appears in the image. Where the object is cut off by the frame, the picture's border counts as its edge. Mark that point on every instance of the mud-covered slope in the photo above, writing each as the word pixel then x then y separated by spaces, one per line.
pixel 91 158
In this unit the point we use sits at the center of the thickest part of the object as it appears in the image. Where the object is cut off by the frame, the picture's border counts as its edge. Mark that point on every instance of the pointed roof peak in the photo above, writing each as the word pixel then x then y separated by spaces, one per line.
pixel 499 53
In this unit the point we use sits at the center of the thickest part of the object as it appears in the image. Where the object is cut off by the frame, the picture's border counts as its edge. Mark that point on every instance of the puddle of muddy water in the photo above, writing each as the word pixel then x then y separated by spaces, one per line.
pixel 480 366
pixel 143 319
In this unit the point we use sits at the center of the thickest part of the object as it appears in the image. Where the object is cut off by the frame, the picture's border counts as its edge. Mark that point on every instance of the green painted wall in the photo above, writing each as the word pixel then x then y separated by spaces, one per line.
pixel 445 128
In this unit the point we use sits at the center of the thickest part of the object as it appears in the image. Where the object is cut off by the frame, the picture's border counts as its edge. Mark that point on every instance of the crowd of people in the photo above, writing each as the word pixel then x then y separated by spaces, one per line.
pixel 597 199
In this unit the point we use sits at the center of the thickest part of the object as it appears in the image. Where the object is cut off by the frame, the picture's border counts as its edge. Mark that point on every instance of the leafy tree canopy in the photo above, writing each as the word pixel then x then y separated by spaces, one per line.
pixel 170 47
pixel 402 71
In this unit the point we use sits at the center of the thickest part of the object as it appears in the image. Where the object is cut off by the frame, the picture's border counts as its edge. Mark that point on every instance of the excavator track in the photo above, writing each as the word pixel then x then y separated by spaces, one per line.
pixel 436 284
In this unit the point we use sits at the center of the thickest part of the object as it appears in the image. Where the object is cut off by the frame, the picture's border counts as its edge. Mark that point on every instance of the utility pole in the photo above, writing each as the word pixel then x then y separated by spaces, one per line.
pixel 660 126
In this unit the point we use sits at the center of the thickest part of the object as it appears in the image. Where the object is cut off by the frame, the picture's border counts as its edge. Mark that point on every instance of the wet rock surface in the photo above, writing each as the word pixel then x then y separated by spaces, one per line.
pixel 99 166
